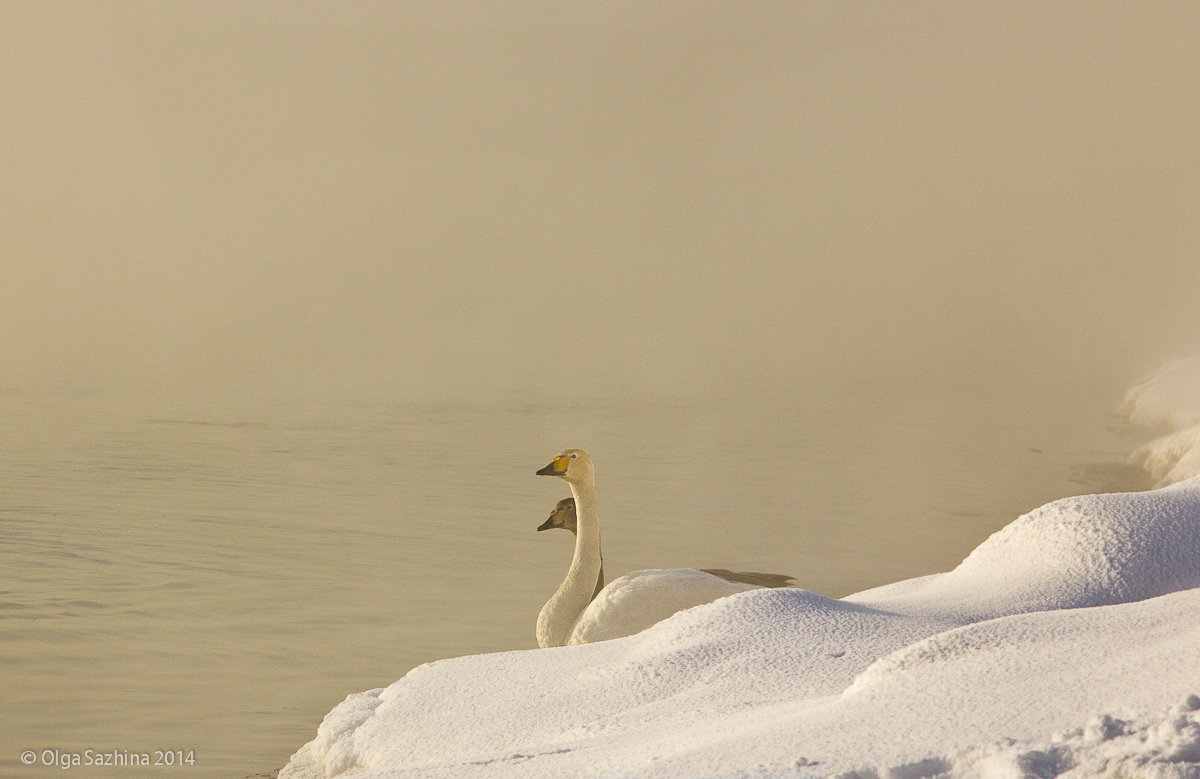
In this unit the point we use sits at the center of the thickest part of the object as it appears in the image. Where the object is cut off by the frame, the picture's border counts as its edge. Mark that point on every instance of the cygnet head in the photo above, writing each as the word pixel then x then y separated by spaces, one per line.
pixel 571 465
pixel 563 516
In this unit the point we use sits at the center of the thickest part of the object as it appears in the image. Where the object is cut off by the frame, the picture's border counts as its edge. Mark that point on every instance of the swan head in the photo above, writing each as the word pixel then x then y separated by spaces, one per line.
pixel 571 465
pixel 563 516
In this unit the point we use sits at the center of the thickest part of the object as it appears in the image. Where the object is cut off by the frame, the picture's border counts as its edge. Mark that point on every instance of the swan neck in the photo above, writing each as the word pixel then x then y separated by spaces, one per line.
pixel 586 517
pixel 558 617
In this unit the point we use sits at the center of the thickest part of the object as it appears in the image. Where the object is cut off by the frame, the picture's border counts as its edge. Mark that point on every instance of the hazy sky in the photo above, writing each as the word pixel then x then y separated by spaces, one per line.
pixel 419 199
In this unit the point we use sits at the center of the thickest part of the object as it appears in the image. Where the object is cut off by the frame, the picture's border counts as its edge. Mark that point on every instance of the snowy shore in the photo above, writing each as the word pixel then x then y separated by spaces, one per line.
pixel 1066 644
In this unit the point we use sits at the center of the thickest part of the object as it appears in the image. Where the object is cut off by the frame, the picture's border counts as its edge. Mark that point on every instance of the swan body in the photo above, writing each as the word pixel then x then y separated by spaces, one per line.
pixel 642 599
pixel 580 611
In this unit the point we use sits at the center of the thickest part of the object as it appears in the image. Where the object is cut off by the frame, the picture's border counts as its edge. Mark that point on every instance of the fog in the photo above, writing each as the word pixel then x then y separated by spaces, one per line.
pixel 472 201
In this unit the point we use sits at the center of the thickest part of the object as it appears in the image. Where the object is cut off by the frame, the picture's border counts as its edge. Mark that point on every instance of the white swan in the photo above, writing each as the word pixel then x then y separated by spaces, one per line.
pixel 578 614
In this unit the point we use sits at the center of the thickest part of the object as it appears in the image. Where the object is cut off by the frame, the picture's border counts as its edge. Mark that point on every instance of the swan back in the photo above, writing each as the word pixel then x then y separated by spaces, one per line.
pixel 563 516
pixel 641 599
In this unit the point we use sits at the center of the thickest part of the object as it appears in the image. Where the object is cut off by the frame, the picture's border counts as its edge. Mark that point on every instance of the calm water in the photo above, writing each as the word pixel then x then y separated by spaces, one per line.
pixel 216 580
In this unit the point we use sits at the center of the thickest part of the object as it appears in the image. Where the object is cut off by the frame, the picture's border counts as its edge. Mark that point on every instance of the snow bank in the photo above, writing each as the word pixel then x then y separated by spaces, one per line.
pixel 1076 552
pixel 1066 644
pixel 1172 457
pixel 1168 400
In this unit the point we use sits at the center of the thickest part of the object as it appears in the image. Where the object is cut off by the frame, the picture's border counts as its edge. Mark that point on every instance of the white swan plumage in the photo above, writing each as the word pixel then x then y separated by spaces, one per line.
pixel 581 612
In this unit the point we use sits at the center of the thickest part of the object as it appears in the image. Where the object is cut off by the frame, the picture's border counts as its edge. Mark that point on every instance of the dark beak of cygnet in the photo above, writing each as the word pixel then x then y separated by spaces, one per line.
pixel 548 524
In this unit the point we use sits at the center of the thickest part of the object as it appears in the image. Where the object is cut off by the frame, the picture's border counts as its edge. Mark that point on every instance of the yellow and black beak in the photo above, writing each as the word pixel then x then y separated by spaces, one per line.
pixel 557 466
